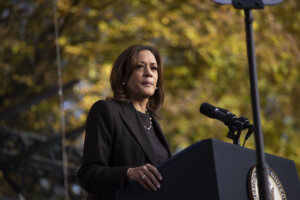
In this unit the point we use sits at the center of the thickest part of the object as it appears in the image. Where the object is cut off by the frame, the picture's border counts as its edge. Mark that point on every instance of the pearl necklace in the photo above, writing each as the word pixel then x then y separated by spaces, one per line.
pixel 148 128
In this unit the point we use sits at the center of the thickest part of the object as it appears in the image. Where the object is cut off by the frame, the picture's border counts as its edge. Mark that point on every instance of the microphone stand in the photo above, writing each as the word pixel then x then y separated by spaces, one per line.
pixel 248 5
pixel 263 183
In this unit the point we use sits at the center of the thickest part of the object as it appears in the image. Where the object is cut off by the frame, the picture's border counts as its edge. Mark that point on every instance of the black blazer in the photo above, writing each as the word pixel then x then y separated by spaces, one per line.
pixel 114 141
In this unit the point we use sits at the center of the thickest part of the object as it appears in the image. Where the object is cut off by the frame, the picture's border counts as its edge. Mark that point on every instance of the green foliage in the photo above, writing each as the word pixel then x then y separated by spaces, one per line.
pixel 204 50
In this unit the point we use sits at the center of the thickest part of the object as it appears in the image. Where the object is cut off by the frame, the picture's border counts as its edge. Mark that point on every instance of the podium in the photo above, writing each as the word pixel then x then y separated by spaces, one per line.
pixel 214 170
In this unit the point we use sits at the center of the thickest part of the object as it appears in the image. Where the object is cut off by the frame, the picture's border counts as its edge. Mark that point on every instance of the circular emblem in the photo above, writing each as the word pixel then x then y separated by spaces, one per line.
pixel 276 189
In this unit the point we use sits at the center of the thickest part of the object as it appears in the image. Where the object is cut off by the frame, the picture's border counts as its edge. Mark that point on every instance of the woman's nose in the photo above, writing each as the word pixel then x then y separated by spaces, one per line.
pixel 147 71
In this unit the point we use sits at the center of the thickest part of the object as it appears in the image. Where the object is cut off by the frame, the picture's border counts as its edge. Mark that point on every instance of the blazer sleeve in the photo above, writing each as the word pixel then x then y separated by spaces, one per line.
pixel 95 174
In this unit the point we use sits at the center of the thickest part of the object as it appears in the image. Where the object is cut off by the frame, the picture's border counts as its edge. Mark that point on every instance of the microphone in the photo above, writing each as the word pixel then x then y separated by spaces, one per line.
pixel 217 113
pixel 234 124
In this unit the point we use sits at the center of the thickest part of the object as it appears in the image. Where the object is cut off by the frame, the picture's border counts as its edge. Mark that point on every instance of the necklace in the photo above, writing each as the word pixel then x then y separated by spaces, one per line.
pixel 150 119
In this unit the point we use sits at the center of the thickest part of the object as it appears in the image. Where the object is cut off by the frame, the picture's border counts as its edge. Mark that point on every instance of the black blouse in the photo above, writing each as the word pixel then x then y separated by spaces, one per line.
pixel 160 152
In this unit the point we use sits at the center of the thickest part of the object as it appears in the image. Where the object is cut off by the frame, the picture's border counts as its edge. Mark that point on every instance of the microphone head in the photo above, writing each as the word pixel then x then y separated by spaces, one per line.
pixel 208 110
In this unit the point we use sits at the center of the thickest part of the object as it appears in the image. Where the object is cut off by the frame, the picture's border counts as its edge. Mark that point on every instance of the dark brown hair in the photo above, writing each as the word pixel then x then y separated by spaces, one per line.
pixel 122 70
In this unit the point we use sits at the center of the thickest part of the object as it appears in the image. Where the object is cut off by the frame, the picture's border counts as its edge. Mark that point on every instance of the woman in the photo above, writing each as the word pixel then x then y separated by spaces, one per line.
pixel 123 140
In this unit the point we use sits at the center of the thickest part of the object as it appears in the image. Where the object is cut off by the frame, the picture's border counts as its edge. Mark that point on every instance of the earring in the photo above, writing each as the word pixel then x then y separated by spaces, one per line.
pixel 156 88
pixel 123 83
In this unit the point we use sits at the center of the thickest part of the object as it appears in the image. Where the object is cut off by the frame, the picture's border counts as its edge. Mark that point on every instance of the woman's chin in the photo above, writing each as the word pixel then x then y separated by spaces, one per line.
pixel 147 95
pixel 148 92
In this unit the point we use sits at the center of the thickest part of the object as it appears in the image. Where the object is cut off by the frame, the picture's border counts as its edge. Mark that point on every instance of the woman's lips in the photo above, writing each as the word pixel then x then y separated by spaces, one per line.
pixel 147 83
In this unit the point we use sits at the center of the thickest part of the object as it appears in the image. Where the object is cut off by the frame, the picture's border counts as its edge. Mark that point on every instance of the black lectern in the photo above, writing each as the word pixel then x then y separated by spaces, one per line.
pixel 214 170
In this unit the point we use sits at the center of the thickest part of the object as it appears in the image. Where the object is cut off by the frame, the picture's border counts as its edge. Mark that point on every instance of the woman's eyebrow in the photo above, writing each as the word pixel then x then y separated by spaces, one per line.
pixel 153 63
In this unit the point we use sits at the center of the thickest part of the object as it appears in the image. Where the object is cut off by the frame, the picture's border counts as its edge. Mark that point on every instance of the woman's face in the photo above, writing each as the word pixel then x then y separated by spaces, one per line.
pixel 142 81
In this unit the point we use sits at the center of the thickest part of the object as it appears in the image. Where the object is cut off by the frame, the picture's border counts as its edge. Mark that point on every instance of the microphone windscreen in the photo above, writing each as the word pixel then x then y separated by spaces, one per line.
pixel 208 110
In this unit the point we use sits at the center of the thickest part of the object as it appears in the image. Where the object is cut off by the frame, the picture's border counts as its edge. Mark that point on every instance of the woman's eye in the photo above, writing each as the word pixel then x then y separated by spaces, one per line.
pixel 154 68
pixel 139 66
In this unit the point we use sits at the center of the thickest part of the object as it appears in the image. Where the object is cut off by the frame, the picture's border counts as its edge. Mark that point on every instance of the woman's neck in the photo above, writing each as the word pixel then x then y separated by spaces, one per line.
pixel 140 105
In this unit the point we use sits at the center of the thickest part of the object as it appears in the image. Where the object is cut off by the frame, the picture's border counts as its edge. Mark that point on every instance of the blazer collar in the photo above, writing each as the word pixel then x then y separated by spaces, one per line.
pixel 130 118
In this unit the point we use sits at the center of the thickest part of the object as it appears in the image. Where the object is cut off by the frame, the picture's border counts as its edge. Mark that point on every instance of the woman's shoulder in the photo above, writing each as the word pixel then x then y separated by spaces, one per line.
pixel 107 105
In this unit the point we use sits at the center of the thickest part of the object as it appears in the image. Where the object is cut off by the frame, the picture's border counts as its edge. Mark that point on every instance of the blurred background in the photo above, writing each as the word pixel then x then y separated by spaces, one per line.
pixel 204 50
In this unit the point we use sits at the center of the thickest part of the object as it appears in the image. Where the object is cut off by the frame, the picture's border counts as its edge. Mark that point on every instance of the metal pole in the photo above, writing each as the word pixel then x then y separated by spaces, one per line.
pixel 61 100
pixel 263 183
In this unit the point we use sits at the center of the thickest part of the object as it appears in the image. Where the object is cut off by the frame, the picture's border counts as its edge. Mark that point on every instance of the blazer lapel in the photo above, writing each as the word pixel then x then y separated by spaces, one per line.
pixel 130 118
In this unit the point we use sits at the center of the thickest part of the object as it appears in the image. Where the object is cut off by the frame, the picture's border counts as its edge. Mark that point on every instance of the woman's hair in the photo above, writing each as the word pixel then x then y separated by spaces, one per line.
pixel 122 70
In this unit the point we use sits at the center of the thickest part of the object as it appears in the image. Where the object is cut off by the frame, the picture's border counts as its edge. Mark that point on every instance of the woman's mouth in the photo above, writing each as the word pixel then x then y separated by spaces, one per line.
pixel 148 83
